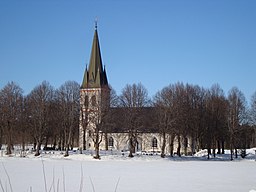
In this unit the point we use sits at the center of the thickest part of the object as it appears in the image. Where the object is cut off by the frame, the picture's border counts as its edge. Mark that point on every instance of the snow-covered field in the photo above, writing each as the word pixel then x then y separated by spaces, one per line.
pixel 142 173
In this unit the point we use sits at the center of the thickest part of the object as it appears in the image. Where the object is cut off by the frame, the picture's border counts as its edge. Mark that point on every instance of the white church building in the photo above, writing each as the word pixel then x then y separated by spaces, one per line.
pixel 95 97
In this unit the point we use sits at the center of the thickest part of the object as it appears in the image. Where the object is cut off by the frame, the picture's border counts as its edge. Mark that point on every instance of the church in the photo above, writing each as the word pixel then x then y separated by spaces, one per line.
pixel 95 101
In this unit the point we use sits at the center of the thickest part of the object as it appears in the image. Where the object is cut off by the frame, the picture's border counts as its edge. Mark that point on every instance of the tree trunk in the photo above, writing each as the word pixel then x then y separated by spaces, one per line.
pixel 236 153
pixel 223 147
pixel 46 143
pixel 214 148
pixel 23 144
pixel 97 141
pixel 34 145
pixel 68 142
pixel 72 144
pixel 66 151
pixel 9 149
pixel 218 146
pixel 62 144
pixel 185 144
pixel 199 144
pixel 179 146
pixel 97 151
pixel 9 140
pixel 208 153
pixel 84 140
pixel 131 149
pixel 38 147
pixel 54 143
pixel 171 144
pixel 106 141
pixel 72 141
pixel 1 137
pixel 59 144
pixel 193 146
pixel 163 146
pixel 231 152
pixel 23 141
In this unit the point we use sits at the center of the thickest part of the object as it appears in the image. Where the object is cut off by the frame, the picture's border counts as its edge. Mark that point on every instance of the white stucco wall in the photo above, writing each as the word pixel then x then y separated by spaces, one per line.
pixel 121 143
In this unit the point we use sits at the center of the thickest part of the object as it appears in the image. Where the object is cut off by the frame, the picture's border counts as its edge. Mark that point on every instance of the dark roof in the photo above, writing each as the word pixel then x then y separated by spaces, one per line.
pixel 144 119
pixel 96 76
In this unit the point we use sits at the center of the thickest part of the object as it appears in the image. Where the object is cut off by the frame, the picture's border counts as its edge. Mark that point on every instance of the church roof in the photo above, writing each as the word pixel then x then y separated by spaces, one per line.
pixel 95 76
pixel 145 118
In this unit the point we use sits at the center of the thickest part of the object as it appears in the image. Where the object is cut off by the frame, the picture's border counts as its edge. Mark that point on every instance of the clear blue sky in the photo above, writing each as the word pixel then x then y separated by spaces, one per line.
pixel 155 42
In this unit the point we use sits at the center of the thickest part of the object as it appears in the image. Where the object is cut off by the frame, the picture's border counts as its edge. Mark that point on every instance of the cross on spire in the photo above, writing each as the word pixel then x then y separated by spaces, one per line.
pixel 96 23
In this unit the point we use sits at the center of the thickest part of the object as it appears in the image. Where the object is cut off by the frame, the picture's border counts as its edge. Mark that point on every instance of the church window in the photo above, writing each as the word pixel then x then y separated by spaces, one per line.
pixel 86 101
pixel 110 142
pixel 93 100
pixel 154 142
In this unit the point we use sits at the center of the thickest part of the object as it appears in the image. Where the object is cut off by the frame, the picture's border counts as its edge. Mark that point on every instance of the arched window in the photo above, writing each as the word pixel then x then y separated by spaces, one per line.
pixel 110 142
pixel 86 101
pixel 93 100
pixel 154 142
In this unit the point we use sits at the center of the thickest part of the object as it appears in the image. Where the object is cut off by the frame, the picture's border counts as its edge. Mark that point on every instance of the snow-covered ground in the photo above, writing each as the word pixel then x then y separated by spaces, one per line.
pixel 143 173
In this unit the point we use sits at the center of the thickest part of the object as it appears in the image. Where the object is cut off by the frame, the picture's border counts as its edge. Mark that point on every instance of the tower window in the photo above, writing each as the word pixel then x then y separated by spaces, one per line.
pixel 110 142
pixel 86 101
pixel 93 100
pixel 154 142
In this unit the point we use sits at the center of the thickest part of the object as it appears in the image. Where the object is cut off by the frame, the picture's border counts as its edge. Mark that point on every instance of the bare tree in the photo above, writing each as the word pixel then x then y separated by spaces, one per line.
pixel 253 118
pixel 253 110
pixel 109 115
pixel 54 133
pixel 181 113
pixel 1 120
pixel 94 112
pixel 196 99
pixel 164 103
pixel 133 98
pixel 68 97
pixel 215 120
pixel 97 134
pixel 11 109
pixel 100 119
pixel 39 105
pixel 1 134
pixel 237 114
pixel 25 126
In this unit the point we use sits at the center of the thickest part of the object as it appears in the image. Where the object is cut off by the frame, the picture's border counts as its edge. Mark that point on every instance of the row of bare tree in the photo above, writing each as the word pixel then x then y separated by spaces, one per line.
pixel 48 116
pixel 211 119
pixel 44 115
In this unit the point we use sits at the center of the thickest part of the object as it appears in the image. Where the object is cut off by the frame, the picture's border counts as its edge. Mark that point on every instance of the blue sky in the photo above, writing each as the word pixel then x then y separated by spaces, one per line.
pixel 154 42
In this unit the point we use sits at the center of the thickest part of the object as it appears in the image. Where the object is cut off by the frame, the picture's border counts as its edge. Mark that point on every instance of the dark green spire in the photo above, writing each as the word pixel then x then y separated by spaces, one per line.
pixel 95 76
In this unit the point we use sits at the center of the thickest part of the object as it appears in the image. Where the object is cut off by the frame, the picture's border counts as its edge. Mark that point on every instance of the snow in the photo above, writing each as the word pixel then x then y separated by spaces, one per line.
pixel 143 173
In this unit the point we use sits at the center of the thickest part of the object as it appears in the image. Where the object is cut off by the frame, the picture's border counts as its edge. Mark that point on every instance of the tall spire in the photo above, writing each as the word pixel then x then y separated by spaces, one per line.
pixel 95 76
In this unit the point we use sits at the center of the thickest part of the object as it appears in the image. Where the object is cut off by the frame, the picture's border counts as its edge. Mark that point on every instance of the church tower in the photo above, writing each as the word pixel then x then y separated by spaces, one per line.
pixel 94 95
